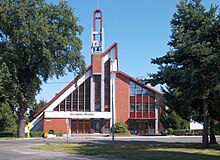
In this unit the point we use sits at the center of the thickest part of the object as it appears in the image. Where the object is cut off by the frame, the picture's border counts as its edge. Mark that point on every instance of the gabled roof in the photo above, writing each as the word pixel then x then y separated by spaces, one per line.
pixel 72 82
pixel 89 67
pixel 136 81
pixel 110 48
pixel 58 94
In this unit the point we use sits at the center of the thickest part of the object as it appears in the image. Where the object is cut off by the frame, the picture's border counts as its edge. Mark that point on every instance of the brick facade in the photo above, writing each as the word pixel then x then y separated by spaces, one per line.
pixel 122 98
pixel 96 61
pixel 59 125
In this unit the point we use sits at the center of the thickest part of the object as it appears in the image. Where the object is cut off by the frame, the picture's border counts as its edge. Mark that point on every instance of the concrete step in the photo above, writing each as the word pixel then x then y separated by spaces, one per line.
pixel 87 135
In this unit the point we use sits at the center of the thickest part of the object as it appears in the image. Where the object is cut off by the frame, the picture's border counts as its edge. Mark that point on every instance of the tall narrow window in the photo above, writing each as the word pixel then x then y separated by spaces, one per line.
pixel 87 95
pixel 152 103
pixel 56 108
pixel 62 105
pixel 97 80
pixel 81 97
pixel 68 103
pixel 132 100
pixel 75 99
pixel 107 86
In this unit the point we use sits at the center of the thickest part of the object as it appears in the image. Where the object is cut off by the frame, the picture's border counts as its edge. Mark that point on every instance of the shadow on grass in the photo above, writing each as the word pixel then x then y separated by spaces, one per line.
pixel 138 150
pixel 150 150
pixel 157 143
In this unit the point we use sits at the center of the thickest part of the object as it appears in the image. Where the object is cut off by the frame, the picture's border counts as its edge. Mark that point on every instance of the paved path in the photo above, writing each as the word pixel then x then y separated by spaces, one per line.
pixel 132 139
pixel 21 149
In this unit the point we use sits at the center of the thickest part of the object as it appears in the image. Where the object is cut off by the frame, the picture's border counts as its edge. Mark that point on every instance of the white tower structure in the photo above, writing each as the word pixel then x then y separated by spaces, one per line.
pixel 97 33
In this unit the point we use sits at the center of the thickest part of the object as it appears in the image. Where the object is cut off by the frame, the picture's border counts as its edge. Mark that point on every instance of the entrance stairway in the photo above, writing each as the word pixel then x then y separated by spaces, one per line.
pixel 87 135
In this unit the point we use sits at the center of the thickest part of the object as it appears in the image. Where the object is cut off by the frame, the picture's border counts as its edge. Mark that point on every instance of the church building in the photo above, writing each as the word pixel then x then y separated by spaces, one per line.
pixel 103 96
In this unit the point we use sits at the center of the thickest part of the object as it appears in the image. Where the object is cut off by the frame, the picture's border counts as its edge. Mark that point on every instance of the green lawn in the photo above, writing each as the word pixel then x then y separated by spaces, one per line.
pixel 163 151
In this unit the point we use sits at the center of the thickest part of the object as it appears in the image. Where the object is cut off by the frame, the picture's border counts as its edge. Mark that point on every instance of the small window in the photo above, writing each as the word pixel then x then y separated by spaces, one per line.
pixel 152 107
pixel 145 106
pixel 139 107
pixel 132 88
pixel 138 90
pixel 132 107
pixel 145 92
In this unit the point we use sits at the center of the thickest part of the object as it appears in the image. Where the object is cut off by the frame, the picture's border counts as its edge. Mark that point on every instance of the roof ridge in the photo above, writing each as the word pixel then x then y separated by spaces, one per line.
pixel 57 95
pixel 133 79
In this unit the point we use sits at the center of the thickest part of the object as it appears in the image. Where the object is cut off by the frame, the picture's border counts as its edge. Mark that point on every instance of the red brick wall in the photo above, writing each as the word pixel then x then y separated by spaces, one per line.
pixel 122 98
pixel 59 125
pixel 96 61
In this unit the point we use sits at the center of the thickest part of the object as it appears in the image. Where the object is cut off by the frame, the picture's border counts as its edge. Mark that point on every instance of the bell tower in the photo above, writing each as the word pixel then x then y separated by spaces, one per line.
pixel 97 33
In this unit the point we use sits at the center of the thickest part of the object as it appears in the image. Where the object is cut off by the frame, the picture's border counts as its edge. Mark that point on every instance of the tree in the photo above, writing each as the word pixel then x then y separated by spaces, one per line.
pixel 175 101
pixel 36 107
pixel 189 68
pixel 214 109
pixel 38 41
pixel 170 119
pixel 7 119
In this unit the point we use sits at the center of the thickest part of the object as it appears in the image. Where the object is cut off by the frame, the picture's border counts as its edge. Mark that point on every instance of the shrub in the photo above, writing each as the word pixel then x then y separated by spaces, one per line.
pixel 164 133
pixel 217 129
pixel 8 134
pixel 51 131
pixel 58 134
pixel 170 131
pixel 36 134
pixel 170 119
pixel 120 127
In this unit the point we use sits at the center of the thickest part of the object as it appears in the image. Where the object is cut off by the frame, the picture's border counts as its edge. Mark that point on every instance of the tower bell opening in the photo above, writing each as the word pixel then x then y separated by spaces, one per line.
pixel 97 37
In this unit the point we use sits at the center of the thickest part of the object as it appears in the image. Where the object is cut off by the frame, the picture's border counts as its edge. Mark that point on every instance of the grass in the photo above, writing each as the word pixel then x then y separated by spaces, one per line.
pixel 165 151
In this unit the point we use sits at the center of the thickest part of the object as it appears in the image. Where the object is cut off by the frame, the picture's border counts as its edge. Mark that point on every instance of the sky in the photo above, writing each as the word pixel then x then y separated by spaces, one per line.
pixel 140 27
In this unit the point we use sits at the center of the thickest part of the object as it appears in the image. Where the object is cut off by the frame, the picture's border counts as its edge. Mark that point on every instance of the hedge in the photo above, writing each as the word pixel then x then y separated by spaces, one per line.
pixel 8 134
pixel 187 132
pixel 58 134
pixel 36 134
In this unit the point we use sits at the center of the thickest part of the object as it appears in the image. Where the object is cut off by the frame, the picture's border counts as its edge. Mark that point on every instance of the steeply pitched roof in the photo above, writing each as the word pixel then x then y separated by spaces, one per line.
pixel 110 48
pixel 58 95
pixel 136 81
pixel 72 82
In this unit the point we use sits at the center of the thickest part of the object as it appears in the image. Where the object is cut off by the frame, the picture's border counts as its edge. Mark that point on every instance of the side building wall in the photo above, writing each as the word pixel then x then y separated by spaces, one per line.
pixel 57 124
pixel 96 61
pixel 122 98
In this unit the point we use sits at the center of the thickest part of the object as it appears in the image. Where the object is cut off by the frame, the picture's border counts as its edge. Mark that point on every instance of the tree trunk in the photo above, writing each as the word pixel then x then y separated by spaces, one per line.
pixel 21 120
pixel 212 133
pixel 205 139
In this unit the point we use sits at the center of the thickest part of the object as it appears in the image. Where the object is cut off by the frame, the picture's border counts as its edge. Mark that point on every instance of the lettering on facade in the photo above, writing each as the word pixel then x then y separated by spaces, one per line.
pixel 81 114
